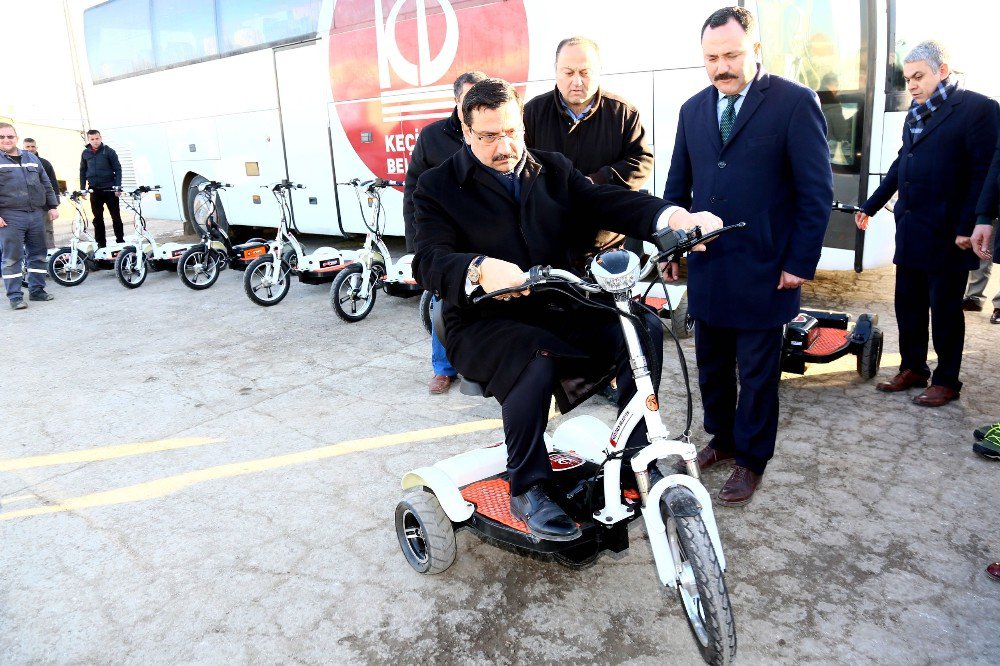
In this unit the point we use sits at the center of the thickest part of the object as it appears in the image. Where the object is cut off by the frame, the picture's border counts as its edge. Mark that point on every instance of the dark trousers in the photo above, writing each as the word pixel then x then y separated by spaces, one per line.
pixel 940 294
pixel 526 409
pixel 744 424
pixel 24 234
pixel 98 200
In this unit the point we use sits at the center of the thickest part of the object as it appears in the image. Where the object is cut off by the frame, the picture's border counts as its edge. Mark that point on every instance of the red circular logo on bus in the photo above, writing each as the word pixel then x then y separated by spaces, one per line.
pixel 393 63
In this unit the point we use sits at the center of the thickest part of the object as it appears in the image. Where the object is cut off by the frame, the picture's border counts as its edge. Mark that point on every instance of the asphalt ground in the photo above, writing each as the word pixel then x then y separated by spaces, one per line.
pixel 186 477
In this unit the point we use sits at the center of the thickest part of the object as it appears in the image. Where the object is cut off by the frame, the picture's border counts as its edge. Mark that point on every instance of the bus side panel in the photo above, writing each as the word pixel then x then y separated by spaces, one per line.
pixel 150 159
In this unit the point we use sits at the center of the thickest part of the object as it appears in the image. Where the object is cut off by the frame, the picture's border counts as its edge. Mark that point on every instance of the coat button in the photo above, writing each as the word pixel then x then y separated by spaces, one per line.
pixel 909 154
pixel 722 164
pixel 712 199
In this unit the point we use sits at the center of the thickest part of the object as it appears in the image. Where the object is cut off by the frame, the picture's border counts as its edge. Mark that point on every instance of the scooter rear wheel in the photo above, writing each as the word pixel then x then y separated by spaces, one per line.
pixel 425 533
pixel 702 590
pixel 61 271
pixel 871 355
pixel 130 273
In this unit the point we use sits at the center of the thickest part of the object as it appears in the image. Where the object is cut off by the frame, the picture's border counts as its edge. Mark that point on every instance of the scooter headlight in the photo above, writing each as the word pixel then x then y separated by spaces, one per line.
pixel 616 271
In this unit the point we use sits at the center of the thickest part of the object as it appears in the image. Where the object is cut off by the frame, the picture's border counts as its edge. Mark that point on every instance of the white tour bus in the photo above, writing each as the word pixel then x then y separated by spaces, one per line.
pixel 321 91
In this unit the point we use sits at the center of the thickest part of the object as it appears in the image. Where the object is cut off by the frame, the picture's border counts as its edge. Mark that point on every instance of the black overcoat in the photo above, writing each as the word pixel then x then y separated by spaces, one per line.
pixel 462 211
pixel 939 175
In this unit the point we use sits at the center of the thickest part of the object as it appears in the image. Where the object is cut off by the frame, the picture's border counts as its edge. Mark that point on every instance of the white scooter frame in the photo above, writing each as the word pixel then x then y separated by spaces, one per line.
pixel 141 252
pixel 70 265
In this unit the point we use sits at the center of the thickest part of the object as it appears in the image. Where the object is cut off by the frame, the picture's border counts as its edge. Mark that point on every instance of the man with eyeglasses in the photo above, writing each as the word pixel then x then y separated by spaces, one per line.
pixel 26 199
pixel 30 146
pixel 485 216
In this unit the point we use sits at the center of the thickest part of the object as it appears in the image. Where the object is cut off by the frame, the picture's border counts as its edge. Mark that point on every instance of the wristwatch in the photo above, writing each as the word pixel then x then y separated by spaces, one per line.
pixel 474 273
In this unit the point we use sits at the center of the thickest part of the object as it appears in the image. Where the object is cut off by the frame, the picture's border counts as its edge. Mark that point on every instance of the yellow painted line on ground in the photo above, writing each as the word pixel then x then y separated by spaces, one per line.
pixel 172 484
pixel 103 453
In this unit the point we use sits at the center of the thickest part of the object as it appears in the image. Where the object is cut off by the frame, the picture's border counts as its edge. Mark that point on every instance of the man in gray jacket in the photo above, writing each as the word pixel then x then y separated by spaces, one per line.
pixel 26 199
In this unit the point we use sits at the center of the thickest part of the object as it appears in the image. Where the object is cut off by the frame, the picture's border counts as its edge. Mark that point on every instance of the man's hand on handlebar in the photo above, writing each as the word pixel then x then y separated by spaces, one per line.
pixel 671 270
pixel 497 274
pixel 681 219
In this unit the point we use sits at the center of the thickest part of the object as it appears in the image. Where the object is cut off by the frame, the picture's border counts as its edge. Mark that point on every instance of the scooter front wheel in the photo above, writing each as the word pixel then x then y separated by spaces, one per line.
pixel 345 294
pixel 702 590
pixel 198 267
pixel 62 272
pixel 131 271
pixel 425 310
pixel 261 283
pixel 425 533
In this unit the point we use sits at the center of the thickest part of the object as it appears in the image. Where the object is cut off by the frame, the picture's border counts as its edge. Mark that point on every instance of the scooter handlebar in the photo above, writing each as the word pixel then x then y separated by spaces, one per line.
pixel 540 275
pixel 674 243
pixel 845 207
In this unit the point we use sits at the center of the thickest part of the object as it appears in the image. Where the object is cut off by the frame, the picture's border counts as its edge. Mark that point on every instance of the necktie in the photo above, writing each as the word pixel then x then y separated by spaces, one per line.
pixel 728 117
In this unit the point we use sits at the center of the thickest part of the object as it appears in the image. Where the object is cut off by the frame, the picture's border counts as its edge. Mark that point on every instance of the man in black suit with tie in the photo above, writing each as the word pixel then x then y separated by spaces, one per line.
pixel 948 140
pixel 751 147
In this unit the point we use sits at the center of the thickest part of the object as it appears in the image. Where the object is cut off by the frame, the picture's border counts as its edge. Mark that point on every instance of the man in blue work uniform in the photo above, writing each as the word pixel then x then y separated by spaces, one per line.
pixel 26 199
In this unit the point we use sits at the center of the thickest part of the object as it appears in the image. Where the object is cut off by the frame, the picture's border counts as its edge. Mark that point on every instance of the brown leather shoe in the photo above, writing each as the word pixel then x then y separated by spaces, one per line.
pixel 994 571
pixel 904 380
pixel 739 489
pixel 995 317
pixel 706 458
pixel 935 396
pixel 972 305
pixel 440 384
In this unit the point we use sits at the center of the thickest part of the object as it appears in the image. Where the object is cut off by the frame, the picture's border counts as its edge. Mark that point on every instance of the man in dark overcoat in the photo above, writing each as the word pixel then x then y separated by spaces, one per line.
pixel 484 217
pixel 751 147
pixel 948 139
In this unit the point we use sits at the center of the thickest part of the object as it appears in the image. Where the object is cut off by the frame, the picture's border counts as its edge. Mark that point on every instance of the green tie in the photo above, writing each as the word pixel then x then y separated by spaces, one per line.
pixel 728 117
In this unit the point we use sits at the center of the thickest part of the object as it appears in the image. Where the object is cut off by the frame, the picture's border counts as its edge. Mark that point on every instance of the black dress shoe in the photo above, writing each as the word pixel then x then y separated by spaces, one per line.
pixel 972 305
pixel 544 518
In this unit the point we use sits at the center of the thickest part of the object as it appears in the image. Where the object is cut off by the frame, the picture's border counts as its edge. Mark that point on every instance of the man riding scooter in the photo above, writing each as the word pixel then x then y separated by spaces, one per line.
pixel 483 217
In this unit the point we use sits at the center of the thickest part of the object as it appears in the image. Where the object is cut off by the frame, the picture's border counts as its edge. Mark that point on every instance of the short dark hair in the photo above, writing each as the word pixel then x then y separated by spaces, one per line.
pixel 92 132
pixel 721 17
pixel 28 139
pixel 578 41
pixel 488 94
pixel 472 77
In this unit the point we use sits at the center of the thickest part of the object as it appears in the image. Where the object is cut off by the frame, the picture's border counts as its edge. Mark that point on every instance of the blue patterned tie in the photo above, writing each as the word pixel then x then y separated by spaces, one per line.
pixel 728 117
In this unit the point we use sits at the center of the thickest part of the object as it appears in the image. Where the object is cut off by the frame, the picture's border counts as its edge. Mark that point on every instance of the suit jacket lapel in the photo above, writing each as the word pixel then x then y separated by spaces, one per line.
pixel 939 116
pixel 529 176
pixel 755 95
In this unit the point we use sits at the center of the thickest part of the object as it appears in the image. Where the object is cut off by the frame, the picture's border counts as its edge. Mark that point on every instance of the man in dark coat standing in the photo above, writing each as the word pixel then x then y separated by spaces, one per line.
pixel 948 138
pixel 436 143
pixel 100 168
pixel 32 147
pixel 484 217
pixel 751 147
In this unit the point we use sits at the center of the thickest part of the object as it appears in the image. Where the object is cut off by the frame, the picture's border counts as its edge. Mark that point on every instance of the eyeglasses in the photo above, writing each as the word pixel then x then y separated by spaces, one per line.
pixel 490 139
pixel 8 136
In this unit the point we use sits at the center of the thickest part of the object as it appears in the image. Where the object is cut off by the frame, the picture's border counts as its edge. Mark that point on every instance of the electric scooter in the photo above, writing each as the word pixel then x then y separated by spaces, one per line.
pixel 353 291
pixel 267 278
pixel 471 490
pixel 70 265
pixel 142 253
pixel 200 265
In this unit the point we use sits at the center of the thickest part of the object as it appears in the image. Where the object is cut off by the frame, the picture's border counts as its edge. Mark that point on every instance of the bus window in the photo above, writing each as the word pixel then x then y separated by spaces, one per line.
pixel 119 39
pixel 819 44
pixel 183 31
pixel 246 24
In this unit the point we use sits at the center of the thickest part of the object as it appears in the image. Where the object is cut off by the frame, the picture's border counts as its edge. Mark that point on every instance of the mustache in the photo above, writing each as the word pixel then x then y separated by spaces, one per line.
pixel 725 77
pixel 503 157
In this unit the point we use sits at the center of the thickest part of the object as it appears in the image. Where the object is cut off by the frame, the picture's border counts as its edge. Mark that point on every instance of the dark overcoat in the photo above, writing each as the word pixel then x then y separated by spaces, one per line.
pixel 939 175
pixel 436 143
pixel 774 174
pixel 462 211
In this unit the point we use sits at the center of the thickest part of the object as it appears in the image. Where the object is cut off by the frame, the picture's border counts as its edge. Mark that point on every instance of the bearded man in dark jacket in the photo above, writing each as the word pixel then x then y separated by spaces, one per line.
pixel 484 217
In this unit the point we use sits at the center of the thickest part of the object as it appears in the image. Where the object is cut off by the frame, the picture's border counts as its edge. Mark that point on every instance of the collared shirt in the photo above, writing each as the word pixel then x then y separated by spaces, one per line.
pixel 722 103
pixel 577 117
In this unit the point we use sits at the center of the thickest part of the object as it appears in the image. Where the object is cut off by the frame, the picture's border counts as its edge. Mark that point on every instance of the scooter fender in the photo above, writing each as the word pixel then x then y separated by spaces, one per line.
pixel 447 493
pixel 678 499
pixel 587 436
